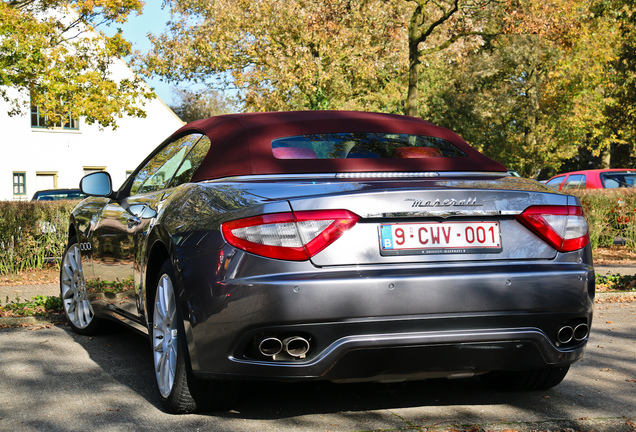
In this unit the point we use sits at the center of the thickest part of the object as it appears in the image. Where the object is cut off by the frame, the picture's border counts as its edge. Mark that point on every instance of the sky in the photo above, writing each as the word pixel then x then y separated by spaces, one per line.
pixel 152 20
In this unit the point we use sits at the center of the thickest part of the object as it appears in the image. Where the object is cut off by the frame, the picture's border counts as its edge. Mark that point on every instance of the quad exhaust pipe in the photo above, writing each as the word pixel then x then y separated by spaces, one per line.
pixel 270 346
pixel 294 347
pixel 568 333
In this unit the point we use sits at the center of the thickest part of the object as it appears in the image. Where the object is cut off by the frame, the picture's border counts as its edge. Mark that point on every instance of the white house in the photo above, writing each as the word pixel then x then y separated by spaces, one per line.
pixel 36 158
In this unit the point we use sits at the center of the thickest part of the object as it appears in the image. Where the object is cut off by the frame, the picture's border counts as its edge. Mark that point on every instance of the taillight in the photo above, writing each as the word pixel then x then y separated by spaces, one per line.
pixel 562 227
pixel 294 236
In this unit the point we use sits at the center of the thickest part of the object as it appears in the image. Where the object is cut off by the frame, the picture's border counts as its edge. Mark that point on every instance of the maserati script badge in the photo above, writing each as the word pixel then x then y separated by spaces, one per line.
pixel 450 202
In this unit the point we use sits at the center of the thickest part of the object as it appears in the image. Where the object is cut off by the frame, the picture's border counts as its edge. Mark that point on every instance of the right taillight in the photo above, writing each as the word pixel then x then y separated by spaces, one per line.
pixel 562 227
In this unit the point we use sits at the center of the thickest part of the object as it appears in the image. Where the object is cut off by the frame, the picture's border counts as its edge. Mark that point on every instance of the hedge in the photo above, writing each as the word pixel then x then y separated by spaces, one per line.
pixel 33 233
pixel 611 216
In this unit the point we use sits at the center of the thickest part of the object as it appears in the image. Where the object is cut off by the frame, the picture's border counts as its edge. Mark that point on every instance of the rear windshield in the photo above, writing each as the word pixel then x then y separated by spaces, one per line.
pixel 612 180
pixel 363 145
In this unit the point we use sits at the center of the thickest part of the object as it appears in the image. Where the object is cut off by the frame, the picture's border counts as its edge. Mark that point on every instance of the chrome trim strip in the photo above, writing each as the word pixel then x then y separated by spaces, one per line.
pixel 444 214
pixel 361 175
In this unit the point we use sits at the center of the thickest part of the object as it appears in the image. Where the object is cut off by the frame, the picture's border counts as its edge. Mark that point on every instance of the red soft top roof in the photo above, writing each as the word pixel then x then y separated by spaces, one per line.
pixel 242 144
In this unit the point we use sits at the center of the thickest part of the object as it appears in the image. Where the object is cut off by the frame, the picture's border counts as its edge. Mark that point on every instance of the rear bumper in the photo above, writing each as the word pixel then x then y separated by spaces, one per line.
pixel 408 355
pixel 390 323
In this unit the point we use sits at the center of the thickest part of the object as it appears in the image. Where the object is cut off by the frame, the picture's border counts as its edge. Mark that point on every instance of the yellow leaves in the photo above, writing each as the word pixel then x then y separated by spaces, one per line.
pixel 112 10
pixel 285 54
pixel 557 20
pixel 52 55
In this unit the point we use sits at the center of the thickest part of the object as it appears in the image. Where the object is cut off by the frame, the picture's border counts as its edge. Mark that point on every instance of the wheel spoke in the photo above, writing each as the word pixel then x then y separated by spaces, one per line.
pixel 81 314
pixel 72 306
pixel 88 312
pixel 165 338
pixel 69 274
pixel 72 260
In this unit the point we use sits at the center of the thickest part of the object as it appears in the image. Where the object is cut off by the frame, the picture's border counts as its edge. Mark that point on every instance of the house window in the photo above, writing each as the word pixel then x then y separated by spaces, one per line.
pixel 40 121
pixel 92 169
pixel 19 183
pixel 45 180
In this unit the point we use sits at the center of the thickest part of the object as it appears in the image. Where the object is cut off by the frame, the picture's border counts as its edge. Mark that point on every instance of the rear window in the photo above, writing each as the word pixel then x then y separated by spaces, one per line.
pixel 612 180
pixel 363 145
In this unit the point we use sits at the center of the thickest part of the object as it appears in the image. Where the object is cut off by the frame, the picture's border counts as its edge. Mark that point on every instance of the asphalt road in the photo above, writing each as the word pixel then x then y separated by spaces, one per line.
pixel 54 380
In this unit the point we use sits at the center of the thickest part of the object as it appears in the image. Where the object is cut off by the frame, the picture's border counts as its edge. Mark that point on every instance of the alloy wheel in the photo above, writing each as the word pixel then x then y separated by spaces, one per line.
pixel 164 335
pixel 73 289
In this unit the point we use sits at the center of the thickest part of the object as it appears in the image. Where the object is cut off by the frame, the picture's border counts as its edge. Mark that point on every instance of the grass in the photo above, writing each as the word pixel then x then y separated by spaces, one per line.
pixel 38 306
pixel 615 282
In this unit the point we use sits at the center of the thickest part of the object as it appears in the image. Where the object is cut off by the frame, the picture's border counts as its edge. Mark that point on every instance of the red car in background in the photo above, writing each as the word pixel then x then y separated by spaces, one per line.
pixel 594 179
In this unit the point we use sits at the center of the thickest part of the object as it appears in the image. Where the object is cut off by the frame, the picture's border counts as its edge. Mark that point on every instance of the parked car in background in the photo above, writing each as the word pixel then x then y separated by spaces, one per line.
pixel 331 245
pixel 594 179
pixel 58 195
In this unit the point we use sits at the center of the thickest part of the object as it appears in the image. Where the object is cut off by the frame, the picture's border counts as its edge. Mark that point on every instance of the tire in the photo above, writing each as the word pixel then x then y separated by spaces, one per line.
pixel 538 379
pixel 77 306
pixel 180 391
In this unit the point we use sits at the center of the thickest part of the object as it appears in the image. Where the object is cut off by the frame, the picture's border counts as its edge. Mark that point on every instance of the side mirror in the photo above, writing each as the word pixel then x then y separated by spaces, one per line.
pixel 97 184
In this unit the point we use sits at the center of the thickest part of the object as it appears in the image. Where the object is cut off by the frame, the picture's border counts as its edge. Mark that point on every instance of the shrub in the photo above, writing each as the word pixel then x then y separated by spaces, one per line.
pixel 32 233
pixel 611 214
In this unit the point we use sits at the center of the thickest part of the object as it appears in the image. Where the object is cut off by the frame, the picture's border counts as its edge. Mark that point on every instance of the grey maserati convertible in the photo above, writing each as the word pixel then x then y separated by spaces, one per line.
pixel 330 245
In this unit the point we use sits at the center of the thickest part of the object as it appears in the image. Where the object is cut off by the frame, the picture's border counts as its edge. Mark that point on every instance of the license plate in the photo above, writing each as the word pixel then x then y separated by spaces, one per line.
pixel 440 237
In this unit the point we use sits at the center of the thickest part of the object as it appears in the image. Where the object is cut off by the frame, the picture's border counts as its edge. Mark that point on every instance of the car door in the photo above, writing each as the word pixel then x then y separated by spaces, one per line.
pixel 555 183
pixel 574 182
pixel 121 233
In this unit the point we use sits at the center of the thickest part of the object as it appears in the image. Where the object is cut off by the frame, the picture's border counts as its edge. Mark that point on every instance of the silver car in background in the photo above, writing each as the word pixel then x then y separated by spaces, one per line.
pixel 326 245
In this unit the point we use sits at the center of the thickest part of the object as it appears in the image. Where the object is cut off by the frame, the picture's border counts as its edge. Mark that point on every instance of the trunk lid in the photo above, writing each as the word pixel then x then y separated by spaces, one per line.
pixel 442 219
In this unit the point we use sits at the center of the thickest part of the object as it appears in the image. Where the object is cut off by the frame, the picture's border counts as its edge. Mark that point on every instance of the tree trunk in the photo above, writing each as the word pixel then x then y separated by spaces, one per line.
pixel 606 157
pixel 414 71
pixel 415 37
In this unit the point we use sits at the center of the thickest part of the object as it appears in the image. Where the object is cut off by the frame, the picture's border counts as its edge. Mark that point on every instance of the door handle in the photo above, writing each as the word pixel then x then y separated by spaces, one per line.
pixel 133 222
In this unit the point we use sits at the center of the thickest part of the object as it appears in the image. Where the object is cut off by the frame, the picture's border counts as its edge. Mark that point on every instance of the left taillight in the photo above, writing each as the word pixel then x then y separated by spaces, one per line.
pixel 562 227
pixel 294 236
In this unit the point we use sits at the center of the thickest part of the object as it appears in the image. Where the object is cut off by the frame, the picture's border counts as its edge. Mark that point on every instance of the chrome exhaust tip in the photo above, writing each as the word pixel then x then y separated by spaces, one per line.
pixel 565 334
pixel 296 346
pixel 270 346
pixel 581 332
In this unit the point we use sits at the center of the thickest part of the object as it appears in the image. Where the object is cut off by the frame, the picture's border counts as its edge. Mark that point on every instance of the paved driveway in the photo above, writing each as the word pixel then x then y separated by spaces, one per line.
pixel 54 380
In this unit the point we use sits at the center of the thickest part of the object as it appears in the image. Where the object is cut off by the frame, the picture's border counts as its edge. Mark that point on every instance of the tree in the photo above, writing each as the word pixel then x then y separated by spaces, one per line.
pixel 621 114
pixel 51 50
pixel 194 105
pixel 434 26
pixel 289 54
pixel 535 95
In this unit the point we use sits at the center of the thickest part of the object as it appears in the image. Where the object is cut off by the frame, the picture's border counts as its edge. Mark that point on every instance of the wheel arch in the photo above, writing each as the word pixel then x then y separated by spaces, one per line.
pixel 157 256
pixel 72 231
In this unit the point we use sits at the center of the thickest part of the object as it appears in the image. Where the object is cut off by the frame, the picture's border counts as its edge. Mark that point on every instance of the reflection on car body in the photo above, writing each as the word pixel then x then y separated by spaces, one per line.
pixel 58 195
pixel 327 245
